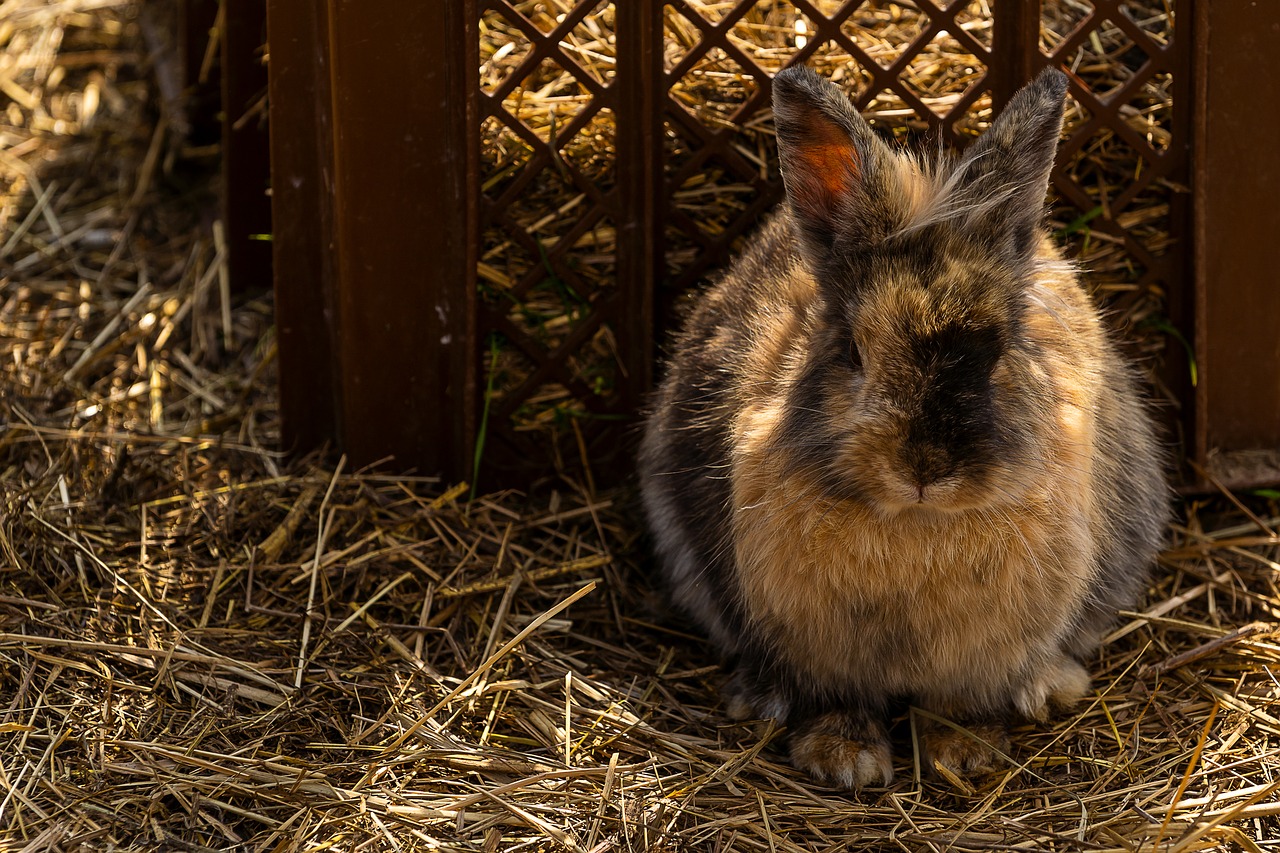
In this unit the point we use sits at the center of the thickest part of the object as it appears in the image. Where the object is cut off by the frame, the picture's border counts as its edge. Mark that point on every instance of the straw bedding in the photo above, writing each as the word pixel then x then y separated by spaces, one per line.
pixel 206 645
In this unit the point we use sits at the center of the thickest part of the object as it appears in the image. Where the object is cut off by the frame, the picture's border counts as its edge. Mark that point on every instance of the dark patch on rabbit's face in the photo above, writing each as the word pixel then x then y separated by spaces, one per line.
pixel 917 398
pixel 951 424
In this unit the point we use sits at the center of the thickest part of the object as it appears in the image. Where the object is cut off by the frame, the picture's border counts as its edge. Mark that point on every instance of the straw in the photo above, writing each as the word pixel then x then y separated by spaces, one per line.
pixel 493 674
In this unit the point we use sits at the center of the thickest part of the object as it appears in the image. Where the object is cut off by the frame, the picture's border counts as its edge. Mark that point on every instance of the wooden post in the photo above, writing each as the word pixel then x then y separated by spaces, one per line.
pixel 640 262
pixel 1015 48
pixel 246 163
pixel 374 171
pixel 1235 184
pixel 303 226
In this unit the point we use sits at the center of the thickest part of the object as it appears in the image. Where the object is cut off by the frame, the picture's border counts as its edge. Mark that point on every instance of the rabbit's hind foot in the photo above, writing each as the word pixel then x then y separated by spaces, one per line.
pixel 843 749
pixel 968 750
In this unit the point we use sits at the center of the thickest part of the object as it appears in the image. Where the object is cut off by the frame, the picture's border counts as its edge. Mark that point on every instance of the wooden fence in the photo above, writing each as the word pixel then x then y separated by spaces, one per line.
pixel 449 270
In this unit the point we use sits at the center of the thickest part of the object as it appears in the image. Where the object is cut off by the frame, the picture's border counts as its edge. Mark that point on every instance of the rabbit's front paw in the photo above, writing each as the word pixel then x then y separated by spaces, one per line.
pixel 843 749
pixel 974 749
pixel 1061 683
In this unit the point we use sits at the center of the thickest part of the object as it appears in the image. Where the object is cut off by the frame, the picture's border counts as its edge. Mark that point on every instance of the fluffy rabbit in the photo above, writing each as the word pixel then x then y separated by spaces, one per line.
pixel 895 456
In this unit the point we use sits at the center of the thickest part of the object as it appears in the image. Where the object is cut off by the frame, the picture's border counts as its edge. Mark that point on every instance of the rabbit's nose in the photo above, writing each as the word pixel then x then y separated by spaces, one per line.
pixel 927 465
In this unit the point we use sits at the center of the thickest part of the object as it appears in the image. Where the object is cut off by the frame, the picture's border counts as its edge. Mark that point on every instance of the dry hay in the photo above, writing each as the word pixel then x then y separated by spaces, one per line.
pixel 204 645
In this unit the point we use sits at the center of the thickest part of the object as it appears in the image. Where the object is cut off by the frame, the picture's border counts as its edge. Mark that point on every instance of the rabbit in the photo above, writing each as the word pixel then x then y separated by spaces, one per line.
pixel 895 456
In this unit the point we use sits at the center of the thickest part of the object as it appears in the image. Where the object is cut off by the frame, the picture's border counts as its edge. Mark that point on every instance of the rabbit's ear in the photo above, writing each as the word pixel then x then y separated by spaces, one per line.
pixel 1007 169
pixel 831 158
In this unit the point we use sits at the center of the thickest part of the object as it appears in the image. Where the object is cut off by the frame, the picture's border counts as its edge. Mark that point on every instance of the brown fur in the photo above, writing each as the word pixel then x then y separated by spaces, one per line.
pixel 813 566
pixel 975 749
pixel 896 455
pixel 846 751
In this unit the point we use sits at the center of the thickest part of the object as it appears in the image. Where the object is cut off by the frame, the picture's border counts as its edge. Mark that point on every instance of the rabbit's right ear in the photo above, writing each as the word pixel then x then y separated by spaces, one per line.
pixel 1010 164
pixel 832 161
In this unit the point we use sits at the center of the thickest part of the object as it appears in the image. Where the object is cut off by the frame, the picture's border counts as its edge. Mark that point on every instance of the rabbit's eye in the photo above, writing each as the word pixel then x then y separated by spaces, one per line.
pixel 855 355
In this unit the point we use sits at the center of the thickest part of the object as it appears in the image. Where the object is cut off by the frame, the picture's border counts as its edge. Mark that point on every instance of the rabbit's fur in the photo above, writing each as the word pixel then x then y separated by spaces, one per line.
pixel 895 455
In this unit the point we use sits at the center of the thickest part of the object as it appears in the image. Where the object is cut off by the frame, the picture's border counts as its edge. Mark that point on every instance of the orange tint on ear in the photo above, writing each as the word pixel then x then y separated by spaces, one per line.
pixel 826 169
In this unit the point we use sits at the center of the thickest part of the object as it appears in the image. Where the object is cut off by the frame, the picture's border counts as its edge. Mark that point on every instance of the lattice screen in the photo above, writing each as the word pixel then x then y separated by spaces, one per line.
pixel 549 214
pixel 1124 161
pixel 557 382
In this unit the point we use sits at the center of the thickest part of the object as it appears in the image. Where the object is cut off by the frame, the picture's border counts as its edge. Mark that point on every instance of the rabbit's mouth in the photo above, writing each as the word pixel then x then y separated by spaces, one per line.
pixel 903 494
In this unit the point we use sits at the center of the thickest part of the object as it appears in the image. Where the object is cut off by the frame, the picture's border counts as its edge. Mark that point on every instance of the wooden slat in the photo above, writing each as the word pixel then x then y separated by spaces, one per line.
pixel 1236 178
pixel 246 165
pixel 303 222
pixel 372 235
pixel 404 171
pixel 641 93
pixel 1015 48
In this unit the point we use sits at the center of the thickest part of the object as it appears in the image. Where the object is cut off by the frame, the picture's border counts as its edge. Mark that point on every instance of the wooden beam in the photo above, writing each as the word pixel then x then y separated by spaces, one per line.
pixel 302 222
pixel 246 161
pixel 1236 181
pixel 640 254
pixel 374 170
pixel 1015 49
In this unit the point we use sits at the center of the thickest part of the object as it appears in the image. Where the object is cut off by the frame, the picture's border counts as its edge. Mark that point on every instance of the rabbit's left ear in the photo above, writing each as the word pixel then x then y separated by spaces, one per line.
pixel 832 162
pixel 1008 166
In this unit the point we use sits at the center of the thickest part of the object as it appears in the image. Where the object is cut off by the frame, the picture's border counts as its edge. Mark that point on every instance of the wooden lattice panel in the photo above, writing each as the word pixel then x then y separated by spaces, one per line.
pixel 1124 161
pixel 567 288
pixel 549 214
